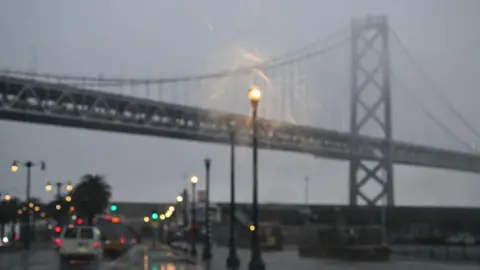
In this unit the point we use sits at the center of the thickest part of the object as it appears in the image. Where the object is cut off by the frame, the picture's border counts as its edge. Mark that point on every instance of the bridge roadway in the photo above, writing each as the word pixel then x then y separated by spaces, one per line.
pixel 58 104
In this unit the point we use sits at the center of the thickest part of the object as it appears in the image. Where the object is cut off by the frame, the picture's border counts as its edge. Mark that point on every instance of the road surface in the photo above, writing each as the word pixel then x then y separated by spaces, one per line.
pixel 142 258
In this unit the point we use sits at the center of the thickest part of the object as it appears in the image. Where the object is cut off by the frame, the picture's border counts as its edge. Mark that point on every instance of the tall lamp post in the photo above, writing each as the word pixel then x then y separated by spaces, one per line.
pixel 59 185
pixel 232 260
pixel 193 251
pixel 207 252
pixel 256 262
pixel 29 165
pixel 183 199
pixel 185 208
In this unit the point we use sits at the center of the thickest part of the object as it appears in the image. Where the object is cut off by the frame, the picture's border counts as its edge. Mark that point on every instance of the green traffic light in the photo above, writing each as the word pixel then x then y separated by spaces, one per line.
pixel 154 216
pixel 113 207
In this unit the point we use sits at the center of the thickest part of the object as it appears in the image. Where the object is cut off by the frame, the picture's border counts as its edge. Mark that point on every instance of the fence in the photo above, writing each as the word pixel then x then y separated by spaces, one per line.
pixel 439 252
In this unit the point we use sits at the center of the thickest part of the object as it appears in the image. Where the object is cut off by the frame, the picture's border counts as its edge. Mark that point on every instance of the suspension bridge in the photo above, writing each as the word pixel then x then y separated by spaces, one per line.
pixel 169 107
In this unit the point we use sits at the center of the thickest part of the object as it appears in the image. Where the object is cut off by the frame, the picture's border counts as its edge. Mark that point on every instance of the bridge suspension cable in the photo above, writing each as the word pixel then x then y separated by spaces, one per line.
pixel 292 57
pixel 434 87
pixel 432 117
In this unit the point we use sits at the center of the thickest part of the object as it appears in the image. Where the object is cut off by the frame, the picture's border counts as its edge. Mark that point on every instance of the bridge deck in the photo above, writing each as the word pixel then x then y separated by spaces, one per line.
pixel 63 105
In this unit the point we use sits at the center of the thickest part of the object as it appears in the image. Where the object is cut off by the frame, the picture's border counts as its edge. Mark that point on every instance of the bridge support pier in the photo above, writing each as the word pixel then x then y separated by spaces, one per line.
pixel 370 81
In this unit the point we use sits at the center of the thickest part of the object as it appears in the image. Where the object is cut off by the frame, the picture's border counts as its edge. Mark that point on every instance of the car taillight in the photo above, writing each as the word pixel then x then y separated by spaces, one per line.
pixel 134 241
pixel 122 240
pixel 96 244
pixel 58 242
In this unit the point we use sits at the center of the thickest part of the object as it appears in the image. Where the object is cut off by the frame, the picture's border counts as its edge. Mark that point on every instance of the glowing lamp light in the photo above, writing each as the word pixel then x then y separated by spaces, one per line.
pixel 254 94
pixel 194 179
pixel 14 167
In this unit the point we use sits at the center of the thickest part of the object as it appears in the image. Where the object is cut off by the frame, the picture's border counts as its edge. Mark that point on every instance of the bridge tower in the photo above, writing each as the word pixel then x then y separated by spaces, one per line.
pixel 370 38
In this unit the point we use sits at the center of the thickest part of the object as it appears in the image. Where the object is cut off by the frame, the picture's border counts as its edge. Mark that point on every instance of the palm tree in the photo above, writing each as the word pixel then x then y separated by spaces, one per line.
pixel 91 196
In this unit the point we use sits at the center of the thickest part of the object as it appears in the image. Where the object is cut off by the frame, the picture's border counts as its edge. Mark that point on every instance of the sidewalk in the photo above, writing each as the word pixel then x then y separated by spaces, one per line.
pixel 283 260
pixel 17 247
pixel 23 257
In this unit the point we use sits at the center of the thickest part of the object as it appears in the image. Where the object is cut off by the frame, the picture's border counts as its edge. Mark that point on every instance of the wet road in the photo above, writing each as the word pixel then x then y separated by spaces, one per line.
pixel 141 258
pixel 289 260
pixel 47 259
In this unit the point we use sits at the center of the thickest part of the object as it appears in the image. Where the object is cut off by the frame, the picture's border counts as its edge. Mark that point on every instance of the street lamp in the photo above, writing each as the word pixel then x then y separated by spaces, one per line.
pixel 207 252
pixel 193 251
pixel 59 185
pixel 184 201
pixel 256 262
pixel 14 166
pixel 232 260
pixel 29 165
pixel 7 197
pixel 194 180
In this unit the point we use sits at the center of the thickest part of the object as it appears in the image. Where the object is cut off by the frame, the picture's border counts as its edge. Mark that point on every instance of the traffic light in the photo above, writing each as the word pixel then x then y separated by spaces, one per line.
pixel 154 215
pixel 113 207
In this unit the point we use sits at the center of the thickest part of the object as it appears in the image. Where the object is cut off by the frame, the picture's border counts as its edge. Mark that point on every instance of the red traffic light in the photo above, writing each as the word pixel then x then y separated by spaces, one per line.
pixel 58 229
pixel 79 221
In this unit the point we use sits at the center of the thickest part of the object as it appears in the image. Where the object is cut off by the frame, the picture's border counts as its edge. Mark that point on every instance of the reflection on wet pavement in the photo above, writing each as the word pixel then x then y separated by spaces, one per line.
pixel 144 259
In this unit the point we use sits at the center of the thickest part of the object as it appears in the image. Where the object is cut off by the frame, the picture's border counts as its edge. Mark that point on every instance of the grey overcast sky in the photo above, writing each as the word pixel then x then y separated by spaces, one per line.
pixel 175 38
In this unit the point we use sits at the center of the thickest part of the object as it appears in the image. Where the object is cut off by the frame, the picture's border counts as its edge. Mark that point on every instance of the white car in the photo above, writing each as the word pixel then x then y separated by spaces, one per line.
pixel 79 243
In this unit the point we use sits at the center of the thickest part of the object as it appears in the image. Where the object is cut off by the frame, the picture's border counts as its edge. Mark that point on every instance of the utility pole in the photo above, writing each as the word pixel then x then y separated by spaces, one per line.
pixel 307 181
pixel 207 252
pixel 307 201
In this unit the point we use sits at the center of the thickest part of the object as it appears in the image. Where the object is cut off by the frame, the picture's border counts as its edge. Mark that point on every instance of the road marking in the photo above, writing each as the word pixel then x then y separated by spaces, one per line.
pixel 133 251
